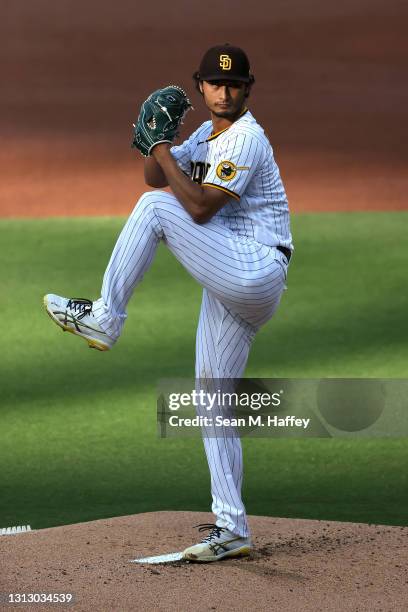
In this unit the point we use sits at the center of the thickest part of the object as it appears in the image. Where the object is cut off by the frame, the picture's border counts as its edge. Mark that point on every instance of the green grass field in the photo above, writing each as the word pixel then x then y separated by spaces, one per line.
pixel 78 428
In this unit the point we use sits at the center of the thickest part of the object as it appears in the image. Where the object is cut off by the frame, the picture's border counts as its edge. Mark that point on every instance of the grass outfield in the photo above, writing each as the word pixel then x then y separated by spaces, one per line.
pixel 78 431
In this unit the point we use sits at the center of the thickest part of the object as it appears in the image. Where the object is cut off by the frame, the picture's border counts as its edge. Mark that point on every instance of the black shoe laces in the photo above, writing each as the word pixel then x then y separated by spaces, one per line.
pixel 215 531
pixel 81 305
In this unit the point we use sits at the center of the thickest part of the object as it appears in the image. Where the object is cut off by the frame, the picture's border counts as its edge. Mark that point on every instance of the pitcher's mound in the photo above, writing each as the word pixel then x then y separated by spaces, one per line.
pixel 295 565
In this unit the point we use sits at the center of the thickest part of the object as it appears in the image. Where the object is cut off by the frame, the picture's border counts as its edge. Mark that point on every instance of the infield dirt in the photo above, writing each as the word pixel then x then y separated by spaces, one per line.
pixel 296 565
pixel 331 92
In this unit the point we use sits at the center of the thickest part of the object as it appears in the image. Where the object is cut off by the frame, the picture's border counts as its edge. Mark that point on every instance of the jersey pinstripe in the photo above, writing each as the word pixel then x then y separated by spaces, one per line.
pixel 240 161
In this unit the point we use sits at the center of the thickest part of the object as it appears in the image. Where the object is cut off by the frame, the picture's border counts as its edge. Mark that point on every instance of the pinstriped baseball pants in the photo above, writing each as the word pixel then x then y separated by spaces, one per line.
pixel 242 284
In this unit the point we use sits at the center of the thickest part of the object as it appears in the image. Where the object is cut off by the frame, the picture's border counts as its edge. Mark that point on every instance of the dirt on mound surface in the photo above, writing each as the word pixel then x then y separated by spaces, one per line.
pixel 295 565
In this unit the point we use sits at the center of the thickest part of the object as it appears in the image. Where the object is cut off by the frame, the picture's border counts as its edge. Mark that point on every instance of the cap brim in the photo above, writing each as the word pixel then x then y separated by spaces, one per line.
pixel 220 77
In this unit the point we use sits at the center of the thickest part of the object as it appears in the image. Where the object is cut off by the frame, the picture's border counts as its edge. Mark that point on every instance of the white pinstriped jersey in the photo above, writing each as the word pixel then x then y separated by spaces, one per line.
pixel 243 278
pixel 239 160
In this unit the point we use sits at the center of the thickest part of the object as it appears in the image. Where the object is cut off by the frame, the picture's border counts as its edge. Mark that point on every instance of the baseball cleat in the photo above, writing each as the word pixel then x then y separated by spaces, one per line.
pixel 219 544
pixel 75 316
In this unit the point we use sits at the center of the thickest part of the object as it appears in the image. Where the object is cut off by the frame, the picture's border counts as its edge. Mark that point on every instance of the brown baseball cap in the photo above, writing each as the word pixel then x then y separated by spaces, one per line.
pixel 224 62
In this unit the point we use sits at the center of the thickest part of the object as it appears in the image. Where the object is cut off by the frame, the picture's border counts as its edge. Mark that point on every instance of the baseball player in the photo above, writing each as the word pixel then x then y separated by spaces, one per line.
pixel 227 222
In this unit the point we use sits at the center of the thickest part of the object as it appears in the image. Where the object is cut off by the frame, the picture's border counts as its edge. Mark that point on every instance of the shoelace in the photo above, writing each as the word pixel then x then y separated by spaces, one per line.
pixel 83 306
pixel 215 531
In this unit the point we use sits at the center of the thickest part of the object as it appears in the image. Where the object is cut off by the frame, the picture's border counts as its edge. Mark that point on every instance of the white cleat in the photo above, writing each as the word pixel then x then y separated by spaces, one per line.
pixel 219 544
pixel 75 316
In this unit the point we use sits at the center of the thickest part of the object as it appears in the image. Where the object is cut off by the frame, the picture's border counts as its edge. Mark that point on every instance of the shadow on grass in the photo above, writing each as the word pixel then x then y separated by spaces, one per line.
pixel 289 344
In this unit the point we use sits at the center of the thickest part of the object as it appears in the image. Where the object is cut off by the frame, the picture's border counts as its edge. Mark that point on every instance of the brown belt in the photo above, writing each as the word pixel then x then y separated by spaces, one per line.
pixel 287 252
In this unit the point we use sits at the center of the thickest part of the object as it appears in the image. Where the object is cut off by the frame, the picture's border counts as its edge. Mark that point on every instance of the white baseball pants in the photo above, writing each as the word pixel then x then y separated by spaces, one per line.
pixel 242 284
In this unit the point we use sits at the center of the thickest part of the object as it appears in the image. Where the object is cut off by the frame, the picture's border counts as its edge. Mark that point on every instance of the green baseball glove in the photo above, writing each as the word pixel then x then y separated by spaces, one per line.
pixel 159 118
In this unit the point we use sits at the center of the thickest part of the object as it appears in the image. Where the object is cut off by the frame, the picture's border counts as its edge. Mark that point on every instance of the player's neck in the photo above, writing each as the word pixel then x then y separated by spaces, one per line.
pixel 223 123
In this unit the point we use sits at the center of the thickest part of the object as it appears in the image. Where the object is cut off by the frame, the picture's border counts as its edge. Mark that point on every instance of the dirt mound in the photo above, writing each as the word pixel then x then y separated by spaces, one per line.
pixel 296 565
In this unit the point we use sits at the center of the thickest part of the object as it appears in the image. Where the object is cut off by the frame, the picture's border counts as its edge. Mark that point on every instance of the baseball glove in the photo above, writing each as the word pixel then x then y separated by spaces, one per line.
pixel 159 118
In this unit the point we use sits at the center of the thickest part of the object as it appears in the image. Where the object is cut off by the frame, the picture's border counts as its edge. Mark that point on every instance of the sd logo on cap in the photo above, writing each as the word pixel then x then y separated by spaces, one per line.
pixel 225 62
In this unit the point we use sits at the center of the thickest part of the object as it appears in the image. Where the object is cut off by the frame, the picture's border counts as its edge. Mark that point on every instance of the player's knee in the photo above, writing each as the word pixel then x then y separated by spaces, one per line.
pixel 155 199
pixel 145 204
pixel 148 198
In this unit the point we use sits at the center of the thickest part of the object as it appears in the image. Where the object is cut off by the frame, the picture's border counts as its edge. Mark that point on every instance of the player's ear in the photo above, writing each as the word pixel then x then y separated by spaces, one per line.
pixel 198 82
pixel 249 85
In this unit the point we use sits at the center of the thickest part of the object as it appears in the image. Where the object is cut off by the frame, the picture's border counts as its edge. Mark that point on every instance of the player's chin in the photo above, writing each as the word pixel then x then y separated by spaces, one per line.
pixel 227 113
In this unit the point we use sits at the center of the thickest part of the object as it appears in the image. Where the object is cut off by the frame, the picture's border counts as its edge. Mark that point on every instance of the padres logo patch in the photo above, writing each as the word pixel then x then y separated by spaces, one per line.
pixel 225 62
pixel 226 170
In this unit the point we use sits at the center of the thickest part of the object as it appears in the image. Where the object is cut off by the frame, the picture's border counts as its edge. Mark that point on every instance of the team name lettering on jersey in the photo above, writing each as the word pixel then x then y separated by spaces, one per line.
pixel 199 171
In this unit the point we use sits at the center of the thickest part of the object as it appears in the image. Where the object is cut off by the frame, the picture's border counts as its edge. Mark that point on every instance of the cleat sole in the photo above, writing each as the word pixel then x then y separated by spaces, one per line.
pixel 239 552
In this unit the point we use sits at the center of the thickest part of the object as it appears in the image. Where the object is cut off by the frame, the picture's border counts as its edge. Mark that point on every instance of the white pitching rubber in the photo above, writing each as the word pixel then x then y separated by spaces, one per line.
pixel 160 559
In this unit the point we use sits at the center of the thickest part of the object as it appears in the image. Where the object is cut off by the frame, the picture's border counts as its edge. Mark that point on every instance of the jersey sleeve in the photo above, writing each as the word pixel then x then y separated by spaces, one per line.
pixel 182 155
pixel 235 163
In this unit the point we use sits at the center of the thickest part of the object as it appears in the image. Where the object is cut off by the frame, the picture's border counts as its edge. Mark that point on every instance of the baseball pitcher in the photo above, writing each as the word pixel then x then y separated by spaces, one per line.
pixel 227 221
